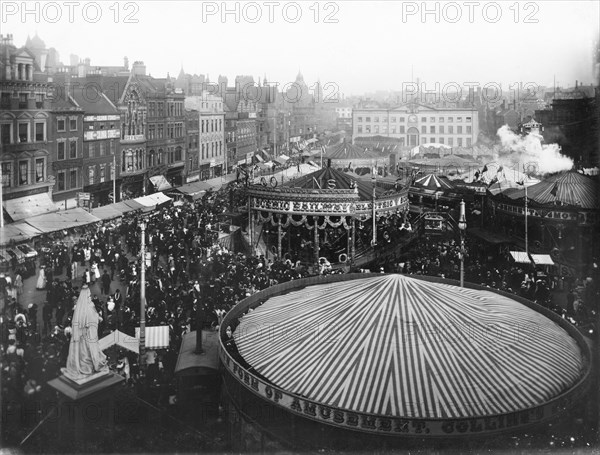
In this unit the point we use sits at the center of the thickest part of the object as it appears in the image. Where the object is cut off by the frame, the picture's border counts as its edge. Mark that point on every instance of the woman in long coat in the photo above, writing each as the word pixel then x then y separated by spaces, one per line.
pixel 41 282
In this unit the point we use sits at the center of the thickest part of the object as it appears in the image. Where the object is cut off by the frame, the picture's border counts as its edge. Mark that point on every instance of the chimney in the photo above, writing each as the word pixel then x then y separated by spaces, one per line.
pixel 126 63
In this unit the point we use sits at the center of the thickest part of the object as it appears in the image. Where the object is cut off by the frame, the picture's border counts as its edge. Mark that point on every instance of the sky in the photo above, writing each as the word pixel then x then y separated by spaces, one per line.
pixel 356 47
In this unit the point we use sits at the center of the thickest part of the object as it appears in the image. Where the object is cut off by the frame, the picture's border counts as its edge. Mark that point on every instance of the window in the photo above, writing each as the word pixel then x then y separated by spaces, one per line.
pixel 441 129
pixel 61 150
pixel 5 101
pixel 376 119
pixel 6 175
pixel 368 119
pixel 73 123
pixel 92 149
pixel 40 170
pixel 393 130
pixel 468 142
pixel 450 129
pixel 60 181
pixel 91 174
pixel 368 129
pixel 432 119
pixel 450 119
pixel 39 132
pixel 401 119
pixel 376 129
pixel 23 132
pixel 203 151
pixel 22 100
pixel 73 148
pixel 423 119
pixel 23 172
pixel 450 141
pixel 102 172
pixel 102 147
pixel 359 129
pixel 359 118
pixel 178 154
pixel 423 129
pixel 160 131
pixel 151 109
pixel 161 109
pixel 441 141
pixel 61 125
pixel 459 119
pixel 468 119
pixel 402 130
pixel 432 129
pixel 393 119
pixel 441 120
pixel 73 178
pixel 459 129
pixel 468 129
pixel 39 100
pixel 459 140
pixel 5 133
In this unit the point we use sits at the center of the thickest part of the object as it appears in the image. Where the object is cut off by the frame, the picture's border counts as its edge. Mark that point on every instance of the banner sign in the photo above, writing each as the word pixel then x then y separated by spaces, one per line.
pixel 395 425
pixel 583 218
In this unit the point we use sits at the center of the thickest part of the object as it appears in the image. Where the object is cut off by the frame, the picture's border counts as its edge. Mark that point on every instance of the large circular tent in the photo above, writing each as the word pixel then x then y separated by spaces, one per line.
pixel 398 352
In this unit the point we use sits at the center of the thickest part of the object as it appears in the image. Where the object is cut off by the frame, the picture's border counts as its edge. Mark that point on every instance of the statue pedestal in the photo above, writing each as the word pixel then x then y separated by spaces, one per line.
pixel 86 404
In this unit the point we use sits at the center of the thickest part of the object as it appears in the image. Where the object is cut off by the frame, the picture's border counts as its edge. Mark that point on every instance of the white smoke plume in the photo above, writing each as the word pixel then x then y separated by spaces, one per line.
pixel 521 151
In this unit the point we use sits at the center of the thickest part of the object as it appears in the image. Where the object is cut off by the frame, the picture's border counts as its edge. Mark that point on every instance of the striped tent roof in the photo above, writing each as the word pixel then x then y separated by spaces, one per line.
pixel 572 188
pixel 348 151
pixel 398 346
pixel 432 182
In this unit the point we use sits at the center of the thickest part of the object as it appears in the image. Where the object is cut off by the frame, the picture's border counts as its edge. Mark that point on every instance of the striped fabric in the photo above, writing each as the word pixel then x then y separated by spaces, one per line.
pixel 156 337
pixel 432 182
pixel 398 346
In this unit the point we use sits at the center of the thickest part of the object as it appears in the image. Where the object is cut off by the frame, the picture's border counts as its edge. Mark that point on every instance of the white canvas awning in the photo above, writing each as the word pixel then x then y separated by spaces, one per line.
pixel 120 339
pixel 520 256
pixel 542 259
pixel 156 337
pixel 28 206
pixel 160 182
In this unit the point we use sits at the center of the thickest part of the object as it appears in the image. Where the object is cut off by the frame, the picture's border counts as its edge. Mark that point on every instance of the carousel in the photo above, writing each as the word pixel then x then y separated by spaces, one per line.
pixel 326 216
pixel 349 157
pixel 367 361
pixel 560 214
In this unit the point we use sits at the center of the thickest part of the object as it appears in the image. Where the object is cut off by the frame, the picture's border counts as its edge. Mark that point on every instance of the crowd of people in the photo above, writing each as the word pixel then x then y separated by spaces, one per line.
pixel 192 279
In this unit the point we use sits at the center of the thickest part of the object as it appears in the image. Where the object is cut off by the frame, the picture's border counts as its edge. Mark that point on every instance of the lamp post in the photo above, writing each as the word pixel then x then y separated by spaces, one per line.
pixel 142 346
pixel 462 226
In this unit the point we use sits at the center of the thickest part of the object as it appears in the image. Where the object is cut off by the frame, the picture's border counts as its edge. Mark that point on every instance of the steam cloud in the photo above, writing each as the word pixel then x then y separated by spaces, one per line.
pixel 523 150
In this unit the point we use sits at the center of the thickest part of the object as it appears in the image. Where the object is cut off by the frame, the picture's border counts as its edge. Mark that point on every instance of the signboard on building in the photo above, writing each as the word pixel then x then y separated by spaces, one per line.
pixel 100 118
pixel 83 200
pixel 102 134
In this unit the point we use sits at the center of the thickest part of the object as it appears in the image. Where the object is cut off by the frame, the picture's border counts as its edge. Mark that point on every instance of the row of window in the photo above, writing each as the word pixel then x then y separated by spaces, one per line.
pixel 157 108
pixel 450 141
pixel 100 148
pixel 423 119
pixel 6 100
pixel 66 148
pixel 99 174
pixel 401 129
pixel 24 132
pixel 62 122
pixel 156 131
pixel 211 125
pixel 214 148
pixel 28 172
pixel 136 160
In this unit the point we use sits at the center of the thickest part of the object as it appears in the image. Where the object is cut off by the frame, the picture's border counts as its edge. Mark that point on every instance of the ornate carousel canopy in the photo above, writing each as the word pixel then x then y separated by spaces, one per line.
pixel 432 182
pixel 567 188
pixel 401 347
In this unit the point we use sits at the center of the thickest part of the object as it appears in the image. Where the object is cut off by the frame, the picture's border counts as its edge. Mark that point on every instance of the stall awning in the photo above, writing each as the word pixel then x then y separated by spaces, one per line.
pixel 152 200
pixel 520 256
pixel 542 259
pixel 156 337
pixel 160 183
pixel 259 158
pixel 107 212
pixel 120 339
pixel 57 221
pixel 28 206
pixel 17 232
pixel 194 188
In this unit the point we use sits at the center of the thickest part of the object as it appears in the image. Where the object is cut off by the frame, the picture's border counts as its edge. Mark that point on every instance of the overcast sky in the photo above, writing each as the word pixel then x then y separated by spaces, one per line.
pixel 358 46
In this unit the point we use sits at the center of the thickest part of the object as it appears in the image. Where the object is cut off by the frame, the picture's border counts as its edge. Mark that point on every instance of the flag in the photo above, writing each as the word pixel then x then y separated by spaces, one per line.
pixel 554 190
pixel 484 169
pixel 500 169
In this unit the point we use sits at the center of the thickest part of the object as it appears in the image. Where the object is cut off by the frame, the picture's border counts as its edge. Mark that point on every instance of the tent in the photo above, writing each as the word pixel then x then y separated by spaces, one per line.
pixel 120 339
pixel 26 207
pixel 160 183
pixel 17 232
pixel 542 259
pixel 152 201
pixel 520 256
pixel 156 337
pixel 66 219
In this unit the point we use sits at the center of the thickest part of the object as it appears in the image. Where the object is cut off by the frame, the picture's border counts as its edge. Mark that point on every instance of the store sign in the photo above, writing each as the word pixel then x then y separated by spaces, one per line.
pixel 558 215
pixel 394 425
pixel 100 118
pixel 101 134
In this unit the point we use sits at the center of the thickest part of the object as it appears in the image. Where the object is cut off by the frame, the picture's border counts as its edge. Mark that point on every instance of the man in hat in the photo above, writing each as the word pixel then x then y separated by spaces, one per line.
pixel 106 281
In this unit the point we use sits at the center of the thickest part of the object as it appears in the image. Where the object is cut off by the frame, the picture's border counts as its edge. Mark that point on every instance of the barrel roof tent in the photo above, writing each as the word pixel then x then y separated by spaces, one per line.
pixel 568 188
pixel 322 179
pixel 348 151
pixel 398 346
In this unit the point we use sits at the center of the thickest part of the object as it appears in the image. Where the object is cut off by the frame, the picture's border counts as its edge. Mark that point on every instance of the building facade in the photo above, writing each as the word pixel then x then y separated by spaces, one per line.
pixel 25 128
pixel 415 124
pixel 192 131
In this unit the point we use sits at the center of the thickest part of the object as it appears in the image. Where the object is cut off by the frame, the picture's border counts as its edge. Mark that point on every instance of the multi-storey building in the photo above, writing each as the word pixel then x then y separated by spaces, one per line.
pixel 101 134
pixel 414 124
pixel 213 156
pixel 25 133
pixel 192 131
pixel 240 126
